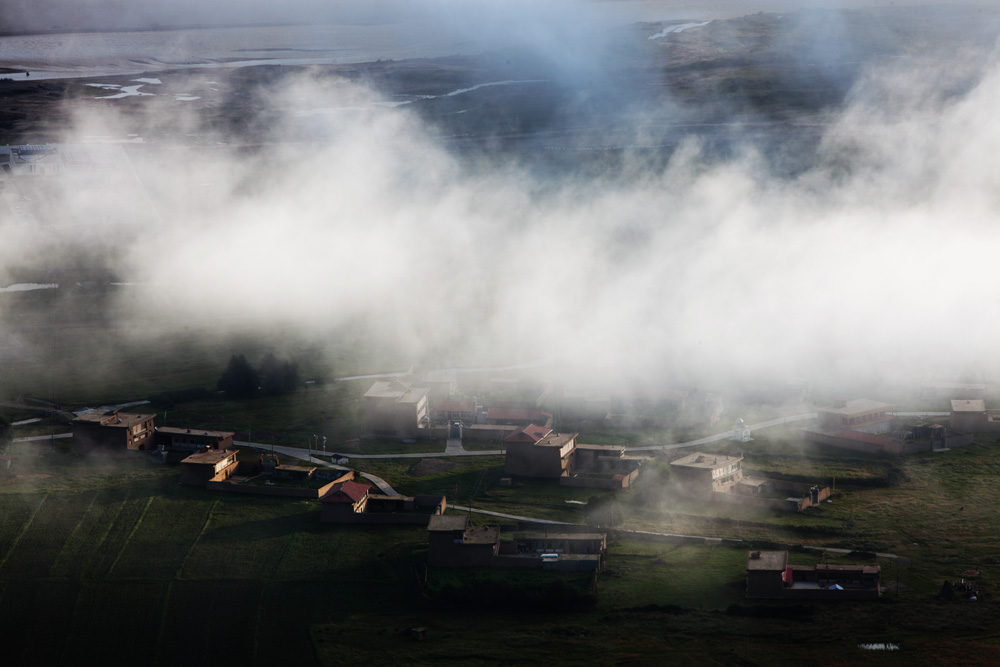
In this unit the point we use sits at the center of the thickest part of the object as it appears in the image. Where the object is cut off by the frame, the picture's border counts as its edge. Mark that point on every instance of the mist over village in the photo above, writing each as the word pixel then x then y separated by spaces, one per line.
pixel 422 332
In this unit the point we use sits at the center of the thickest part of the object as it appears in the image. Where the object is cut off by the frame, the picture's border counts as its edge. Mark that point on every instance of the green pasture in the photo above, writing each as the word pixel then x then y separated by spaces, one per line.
pixel 118 553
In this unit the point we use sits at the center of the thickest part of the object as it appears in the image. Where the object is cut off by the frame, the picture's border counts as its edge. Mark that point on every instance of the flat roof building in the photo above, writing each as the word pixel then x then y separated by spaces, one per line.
pixel 172 438
pixel 549 456
pixel 208 466
pixel 971 416
pixel 861 414
pixel 702 474
pixel 113 432
pixel 770 576
pixel 394 409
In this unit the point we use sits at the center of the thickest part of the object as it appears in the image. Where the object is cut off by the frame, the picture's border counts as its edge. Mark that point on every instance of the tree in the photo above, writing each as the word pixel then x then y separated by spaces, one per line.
pixel 239 380
pixel 6 432
pixel 277 376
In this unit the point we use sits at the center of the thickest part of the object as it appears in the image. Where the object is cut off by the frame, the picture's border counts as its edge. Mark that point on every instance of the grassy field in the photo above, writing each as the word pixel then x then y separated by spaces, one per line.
pixel 94 553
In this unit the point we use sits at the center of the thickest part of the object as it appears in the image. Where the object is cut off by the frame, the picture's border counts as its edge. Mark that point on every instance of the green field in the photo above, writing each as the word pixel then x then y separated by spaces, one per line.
pixel 99 553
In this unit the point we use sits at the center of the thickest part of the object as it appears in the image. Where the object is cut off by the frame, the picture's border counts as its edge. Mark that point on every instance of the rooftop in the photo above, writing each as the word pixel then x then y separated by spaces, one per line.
pixel 556 439
pixel 767 561
pixel 173 430
pixel 602 448
pixel 413 395
pixel 448 522
pixel 708 461
pixel 849 567
pixel 392 389
pixel 210 457
pixel 346 492
pixel 113 418
pixel 860 406
pixel 483 535
pixel 965 405
pixel 455 406
pixel 530 433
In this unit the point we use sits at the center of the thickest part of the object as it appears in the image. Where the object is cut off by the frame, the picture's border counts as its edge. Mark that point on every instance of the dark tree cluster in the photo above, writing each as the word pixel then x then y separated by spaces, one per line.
pixel 274 377
pixel 277 376
pixel 6 431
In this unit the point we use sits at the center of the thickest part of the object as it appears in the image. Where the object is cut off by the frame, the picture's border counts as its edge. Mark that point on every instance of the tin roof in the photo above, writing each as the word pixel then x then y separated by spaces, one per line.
pixel 531 433
pixel 346 492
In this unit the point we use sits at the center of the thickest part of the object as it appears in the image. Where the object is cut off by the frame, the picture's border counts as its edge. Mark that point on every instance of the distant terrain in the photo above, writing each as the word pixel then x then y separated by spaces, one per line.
pixel 766 79
pixel 113 561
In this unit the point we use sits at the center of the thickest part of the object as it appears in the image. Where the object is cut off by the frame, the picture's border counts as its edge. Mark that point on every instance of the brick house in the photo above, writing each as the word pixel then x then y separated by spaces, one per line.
pixel 113 432
pixel 209 466
pixel 770 576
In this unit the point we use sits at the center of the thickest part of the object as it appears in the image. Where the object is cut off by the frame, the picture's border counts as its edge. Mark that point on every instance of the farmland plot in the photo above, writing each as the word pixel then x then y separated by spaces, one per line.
pixel 16 513
pixel 117 621
pixel 43 540
pixel 162 540
pixel 35 618
pixel 209 621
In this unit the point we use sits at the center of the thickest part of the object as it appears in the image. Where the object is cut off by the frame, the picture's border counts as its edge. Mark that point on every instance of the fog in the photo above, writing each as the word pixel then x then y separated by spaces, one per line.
pixel 874 264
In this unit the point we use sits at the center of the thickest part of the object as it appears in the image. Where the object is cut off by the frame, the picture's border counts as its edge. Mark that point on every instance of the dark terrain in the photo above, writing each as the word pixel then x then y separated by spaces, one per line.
pixel 768 80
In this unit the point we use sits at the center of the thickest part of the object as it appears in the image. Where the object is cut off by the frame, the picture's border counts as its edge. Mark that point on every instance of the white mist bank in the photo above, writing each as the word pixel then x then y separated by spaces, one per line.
pixel 878 270
pixel 875 263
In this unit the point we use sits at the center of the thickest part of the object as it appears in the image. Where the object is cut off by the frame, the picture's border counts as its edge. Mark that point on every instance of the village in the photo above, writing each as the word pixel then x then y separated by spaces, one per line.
pixel 416 408
pixel 579 333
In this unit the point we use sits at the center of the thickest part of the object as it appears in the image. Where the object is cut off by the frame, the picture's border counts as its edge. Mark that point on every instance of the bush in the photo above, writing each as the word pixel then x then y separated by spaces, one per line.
pixel 278 377
pixel 239 380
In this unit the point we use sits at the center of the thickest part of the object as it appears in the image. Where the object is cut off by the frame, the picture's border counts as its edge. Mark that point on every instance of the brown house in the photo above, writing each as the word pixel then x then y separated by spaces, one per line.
pixel 549 456
pixel 971 416
pixel 209 466
pixel 718 477
pixel 702 474
pixel 531 434
pixel 396 409
pixel 344 498
pixel 770 576
pixel 112 432
pixel 861 414
pixel 453 541
pixel 537 451
pixel 354 503
pixel 860 425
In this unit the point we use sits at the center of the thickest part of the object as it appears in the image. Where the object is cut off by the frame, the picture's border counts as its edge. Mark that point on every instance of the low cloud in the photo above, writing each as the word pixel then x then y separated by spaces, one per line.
pixel 873 265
